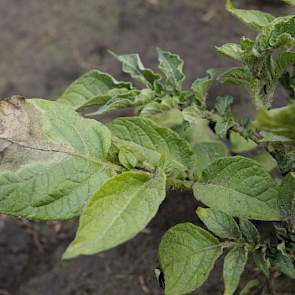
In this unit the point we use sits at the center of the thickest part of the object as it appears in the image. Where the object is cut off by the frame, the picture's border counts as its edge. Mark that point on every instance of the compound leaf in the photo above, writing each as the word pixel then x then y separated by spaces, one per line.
pixel 187 255
pixel 53 160
pixel 240 187
pixel 117 212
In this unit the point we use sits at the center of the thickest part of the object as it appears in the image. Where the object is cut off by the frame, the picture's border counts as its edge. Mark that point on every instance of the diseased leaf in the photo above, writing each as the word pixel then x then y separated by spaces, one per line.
pixel 187 255
pixel 234 265
pixel 117 212
pixel 91 89
pixel 280 121
pixel 219 223
pixel 231 50
pixel 133 66
pixel 255 19
pixel 52 160
pixel 172 66
pixel 153 142
pixel 249 230
pixel 240 187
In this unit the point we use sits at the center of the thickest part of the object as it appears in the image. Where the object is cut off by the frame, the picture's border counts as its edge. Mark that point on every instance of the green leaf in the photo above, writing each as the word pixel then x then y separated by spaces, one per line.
pixel 172 66
pixel 237 76
pixel 200 87
pixel 240 187
pixel 123 206
pixel 253 18
pixel 231 50
pixel 249 230
pixel 133 66
pixel 284 264
pixel 291 2
pixel 262 262
pixel 114 102
pixel 206 153
pixel 250 286
pixel 127 158
pixel 280 121
pixel 219 223
pixel 223 104
pixel 240 144
pixel 284 61
pixel 153 142
pixel 93 85
pixel 223 125
pixel 187 255
pixel 53 160
pixel 234 265
pixel 266 161
pixel 287 195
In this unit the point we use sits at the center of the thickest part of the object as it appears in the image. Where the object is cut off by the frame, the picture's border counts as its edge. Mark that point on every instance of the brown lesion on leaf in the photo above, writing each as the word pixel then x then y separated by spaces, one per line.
pixel 14 121
pixel 21 134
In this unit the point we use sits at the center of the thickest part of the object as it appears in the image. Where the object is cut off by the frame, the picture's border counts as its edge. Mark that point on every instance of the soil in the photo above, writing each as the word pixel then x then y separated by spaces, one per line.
pixel 45 45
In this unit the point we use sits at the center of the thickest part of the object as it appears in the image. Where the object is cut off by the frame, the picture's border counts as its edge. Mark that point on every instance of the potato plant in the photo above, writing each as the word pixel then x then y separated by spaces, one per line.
pixel 57 164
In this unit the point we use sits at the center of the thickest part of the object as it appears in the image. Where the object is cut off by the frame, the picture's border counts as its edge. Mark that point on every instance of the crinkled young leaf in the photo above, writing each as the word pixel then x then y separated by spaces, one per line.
pixel 172 66
pixel 231 50
pixel 284 61
pixel 153 142
pixel 280 121
pixel 219 223
pixel 234 265
pixel 133 66
pixel 255 19
pixel 117 212
pixel 52 160
pixel 187 255
pixel 240 187
pixel 249 230
pixel 223 104
pixel 200 87
pixel 237 76
pixel 93 85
